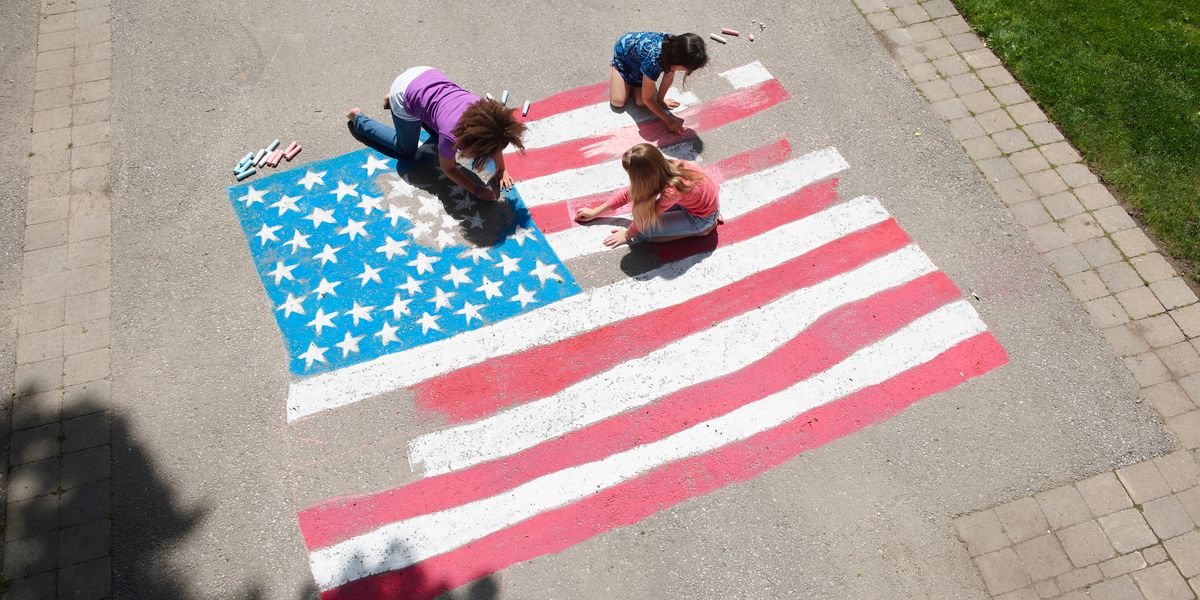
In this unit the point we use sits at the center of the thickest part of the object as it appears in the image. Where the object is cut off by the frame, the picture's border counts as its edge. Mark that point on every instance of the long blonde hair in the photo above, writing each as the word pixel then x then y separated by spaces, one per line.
pixel 649 174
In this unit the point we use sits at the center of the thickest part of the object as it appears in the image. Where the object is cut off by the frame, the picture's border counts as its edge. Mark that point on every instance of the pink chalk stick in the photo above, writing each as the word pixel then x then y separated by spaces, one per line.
pixel 276 156
pixel 727 31
pixel 290 147
pixel 292 152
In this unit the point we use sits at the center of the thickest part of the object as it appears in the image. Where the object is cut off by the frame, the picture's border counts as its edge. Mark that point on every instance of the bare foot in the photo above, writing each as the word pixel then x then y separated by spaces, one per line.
pixel 353 112
pixel 387 102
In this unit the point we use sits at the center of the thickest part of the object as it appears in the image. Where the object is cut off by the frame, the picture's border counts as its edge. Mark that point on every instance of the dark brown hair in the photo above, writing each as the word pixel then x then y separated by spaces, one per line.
pixel 487 127
pixel 686 50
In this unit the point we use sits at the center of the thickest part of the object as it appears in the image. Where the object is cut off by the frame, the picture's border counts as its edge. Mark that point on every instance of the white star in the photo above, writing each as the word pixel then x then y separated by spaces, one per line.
pixel 523 296
pixel 401 189
pixel 354 229
pixel 420 228
pixel 457 276
pixel 267 233
pixel 359 312
pixel 292 305
pixel 449 222
pixel 398 307
pixel 508 264
pixel 326 287
pixel 428 322
pixel 368 274
pixel 412 286
pixel 470 311
pixel 344 190
pixel 490 288
pixel 444 239
pixel 392 247
pixel 314 353
pixel 544 271
pixel 441 299
pixel 429 205
pixel 374 164
pixel 461 201
pixel 476 221
pixel 320 215
pixel 282 272
pixel 322 319
pixel 299 240
pixel 252 196
pixel 476 253
pixel 387 335
pixel 285 204
pixel 423 262
pixel 311 178
pixel 328 255
pixel 396 212
pixel 369 203
pixel 522 234
pixel 349 344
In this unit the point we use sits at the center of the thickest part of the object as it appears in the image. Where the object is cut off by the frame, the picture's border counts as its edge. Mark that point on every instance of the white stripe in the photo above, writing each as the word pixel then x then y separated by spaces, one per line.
pixel 747 75
pixel 738 196
pixel 411 541
pixel 667 285
pixel 708 354
pixel 592 179
pixel 594 119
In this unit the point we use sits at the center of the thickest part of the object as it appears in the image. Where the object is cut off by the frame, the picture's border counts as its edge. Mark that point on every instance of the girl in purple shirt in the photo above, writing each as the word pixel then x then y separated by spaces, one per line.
pixel 465 127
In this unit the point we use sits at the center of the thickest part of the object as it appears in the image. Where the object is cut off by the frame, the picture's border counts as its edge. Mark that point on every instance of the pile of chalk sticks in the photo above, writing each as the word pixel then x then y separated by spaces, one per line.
pixel 266 157
pixel 504 101
pixel 762 25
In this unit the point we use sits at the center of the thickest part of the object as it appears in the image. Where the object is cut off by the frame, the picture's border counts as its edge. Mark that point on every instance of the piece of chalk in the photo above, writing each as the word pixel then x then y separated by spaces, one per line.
pixel 273 146
pixel 276 156
pixel 259 156
pixel 525 109
pixel 490 96
pixel 728 31
pixel 504 97
pixel 246 173
pixel 247 158
pixel 752 37
pixel 718 38
pixel 289 148
pixel 293 152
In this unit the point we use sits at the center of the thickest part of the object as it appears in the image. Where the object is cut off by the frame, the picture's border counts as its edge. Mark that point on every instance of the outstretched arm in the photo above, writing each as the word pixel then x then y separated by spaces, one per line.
pixel 650 99
pixel 450 168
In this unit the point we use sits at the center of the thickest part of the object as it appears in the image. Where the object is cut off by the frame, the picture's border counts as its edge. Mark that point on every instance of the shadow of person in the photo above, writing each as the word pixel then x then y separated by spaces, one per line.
pixel 683 254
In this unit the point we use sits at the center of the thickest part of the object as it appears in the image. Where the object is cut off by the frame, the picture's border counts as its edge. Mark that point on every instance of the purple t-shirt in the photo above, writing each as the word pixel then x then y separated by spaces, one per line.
pixel 439 103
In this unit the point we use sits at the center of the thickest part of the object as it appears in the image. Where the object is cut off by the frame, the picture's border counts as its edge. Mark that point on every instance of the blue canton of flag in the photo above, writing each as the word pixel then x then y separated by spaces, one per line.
pixel 355 271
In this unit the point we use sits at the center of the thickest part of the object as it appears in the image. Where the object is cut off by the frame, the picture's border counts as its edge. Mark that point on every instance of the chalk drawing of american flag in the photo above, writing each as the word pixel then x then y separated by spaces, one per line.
pixel 804 319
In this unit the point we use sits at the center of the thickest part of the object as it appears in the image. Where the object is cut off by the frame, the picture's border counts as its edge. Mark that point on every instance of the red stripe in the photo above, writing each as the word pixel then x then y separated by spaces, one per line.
pixel 634 500
pixel 482 389
pixel 599 148
pixel 826 342
pixel 560 216
pixel 571 99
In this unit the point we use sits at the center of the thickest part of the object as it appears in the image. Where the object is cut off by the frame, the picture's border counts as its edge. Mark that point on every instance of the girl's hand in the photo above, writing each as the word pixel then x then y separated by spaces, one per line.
pixel 484 193
pixel 670 103
pixel 617 238
pixel 587 214
pixel 506 182
pixel 674 124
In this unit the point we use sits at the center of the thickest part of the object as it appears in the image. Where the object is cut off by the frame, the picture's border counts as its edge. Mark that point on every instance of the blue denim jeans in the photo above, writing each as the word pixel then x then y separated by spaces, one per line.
pixel 402 139
pixel 677 222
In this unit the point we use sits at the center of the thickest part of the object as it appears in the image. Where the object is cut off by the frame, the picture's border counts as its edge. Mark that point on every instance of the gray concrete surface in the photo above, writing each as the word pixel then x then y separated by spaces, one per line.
pixel 198 361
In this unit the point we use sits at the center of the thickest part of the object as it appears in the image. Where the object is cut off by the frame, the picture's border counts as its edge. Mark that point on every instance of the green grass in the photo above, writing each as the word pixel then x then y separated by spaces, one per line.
pixel 1122 80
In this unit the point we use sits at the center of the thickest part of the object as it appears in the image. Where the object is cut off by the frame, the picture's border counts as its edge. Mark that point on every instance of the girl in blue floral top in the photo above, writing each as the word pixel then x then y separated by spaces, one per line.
pixel 640 57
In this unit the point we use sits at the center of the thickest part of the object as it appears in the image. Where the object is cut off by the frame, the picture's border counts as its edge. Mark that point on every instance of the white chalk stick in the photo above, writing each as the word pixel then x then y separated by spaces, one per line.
pixel 718 38
pixel 525 110
pixel 490 96
pixel 259 158
pixel 504 97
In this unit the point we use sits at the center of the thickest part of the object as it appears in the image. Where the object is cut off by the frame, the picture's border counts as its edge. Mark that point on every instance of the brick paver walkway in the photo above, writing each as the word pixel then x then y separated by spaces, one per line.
pixel 1124 534
pixel 58 495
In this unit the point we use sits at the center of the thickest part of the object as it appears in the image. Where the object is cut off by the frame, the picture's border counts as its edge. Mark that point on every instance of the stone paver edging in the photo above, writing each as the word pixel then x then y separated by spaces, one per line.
pixel 58 515
pixel 1129 533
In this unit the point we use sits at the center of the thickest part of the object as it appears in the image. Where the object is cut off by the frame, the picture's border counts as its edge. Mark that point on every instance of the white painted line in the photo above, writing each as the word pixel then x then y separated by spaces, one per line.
pixel 404 543
pixel 592 179
pixel 714 352
pixel 667 285
pixel 738 197
pixel 747 75
pixel 594 119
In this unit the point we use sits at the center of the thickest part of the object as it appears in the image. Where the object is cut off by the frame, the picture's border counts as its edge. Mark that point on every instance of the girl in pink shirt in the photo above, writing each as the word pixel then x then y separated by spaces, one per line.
pixel 672 199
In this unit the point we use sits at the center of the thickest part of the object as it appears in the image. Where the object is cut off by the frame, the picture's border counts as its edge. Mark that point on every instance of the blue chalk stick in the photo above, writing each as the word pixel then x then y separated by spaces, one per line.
pixel 273 146
pixel 246 173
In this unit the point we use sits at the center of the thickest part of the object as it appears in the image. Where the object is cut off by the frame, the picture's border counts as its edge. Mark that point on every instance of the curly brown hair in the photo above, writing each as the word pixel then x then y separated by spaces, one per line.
pixel 486 128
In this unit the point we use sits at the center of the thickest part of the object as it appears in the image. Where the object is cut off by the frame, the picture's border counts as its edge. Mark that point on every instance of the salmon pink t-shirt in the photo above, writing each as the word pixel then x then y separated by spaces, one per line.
pixel 701 200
